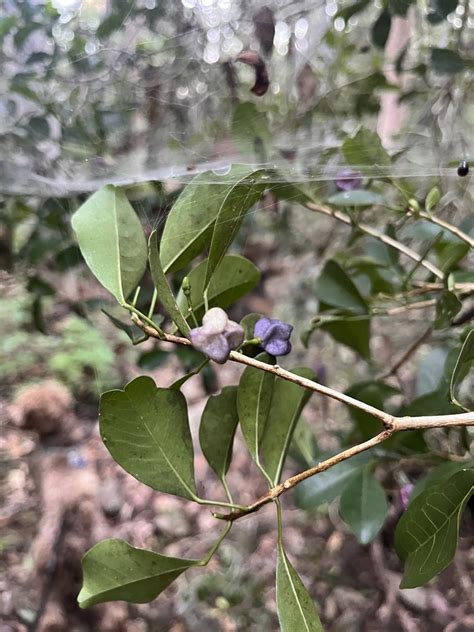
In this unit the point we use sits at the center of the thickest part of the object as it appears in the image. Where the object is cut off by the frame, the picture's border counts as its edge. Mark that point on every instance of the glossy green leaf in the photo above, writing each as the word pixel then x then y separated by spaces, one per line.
pixel 446 62
pixel 335 288
pixel 165 295
pixel 463 366
pixel 250 133
pixel 188 227
pixel 381 29
pixel 146 430
pixel 254 398
pixel 111 240
pixel 357 197
pixel 234 277
pixel 288 401
pixel 438 475
pixel 296 610
pixel 353 333
pixel 427 534
pixel 239 199
pixel 216 432
pixel 326 486
pixel 364 506
pixel 113 570
pixel 447 306
pixel 365 148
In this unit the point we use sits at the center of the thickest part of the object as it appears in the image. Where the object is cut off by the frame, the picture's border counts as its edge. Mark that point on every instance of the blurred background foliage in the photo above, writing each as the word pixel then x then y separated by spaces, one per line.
pixel 147 94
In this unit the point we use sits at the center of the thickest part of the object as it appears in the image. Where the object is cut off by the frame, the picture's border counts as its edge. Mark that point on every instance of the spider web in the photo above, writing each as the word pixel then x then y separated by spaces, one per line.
pixel 173 105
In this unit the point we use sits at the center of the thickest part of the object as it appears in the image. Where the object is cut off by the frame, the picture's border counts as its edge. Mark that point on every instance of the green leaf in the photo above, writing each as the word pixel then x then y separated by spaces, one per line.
pixel 165 295
pixel 254 398
pixel 288 401
pixel 357 197
pixel 111 240
pixel 113 570
pixel 188 227
pixel 464 364
pixel 446 62
pixel 352 333
pixel 381 29
pixel 6 25
pixel 146 430
pixel 364 506
pixel 290 191
pixel 375 394
pixel 365 148
pixel 250 131
pixel 438 475
pixel 296 610
pixel 216 432
pixel 326 486
pixel 238 200
pixel 450 254
pixel 432 199
pixel 447 306
pixel 334 287
pixel 303 447
pixel 430 371
pixel 433 403
pixel 154 359
pixel 133 332
pixel 427 534
pixel 234 277
pixel 68 258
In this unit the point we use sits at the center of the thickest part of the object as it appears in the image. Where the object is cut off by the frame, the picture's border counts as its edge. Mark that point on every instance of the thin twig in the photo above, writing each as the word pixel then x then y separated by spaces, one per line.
pixel 397 424
pixel 401 309
pixel 235 356
pixel 392 424
pixel 407 355
pixel 373 232
pixel 279 489
pixel 447 226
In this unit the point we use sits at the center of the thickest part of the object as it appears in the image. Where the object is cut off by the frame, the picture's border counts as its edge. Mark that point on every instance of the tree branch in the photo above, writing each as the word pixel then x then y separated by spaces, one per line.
pixel 373 232
pixel 407 354
pixel 392 424
pixel 235 356
pixel 396 424
pixel 446 225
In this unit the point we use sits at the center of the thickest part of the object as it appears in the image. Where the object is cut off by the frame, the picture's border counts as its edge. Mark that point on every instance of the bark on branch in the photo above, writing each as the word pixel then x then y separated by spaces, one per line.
pixel 391 423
